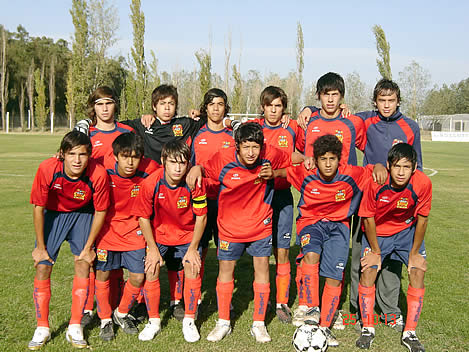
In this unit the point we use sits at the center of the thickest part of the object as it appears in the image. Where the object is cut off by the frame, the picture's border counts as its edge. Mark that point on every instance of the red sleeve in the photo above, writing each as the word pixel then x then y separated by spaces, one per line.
pixel 360 139
pixel 300 139
pixel 368 203
pixel 40 188
pixel 296 175
pixel 143 205
pixel 101 188
pixel 149 165
pixel 212 166
pixel 199 200
pixel 278 158
pixel 425 195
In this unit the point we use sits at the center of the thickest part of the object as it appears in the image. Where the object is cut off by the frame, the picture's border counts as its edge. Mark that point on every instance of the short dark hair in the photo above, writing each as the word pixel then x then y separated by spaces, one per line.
pixel 386 87
pixel 74 139
pixel 127 143
pixel 208 98
pixel 402 151
pixel 330 81
pixel 270 93
pixel 177 149
pixel 99 93
pixel 249 132
pixel 162 92
pixel 327 144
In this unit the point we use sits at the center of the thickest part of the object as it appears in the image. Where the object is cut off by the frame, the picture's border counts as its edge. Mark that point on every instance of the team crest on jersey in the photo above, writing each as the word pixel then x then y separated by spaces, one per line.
pixel 182 202
pixel 79 194
pixel 396 141
pixel 102 255
pixel 224 245
pixel 134 191
pixel 340 195
pixel 305 239
pixel 257 181
pixel 282 141
pixel 226 144
pixel 340 135
pixel 403 203
pixel 177 130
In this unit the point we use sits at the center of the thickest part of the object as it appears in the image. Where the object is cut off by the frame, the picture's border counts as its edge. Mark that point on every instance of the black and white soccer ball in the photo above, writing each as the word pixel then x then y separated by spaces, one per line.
pixel 309 338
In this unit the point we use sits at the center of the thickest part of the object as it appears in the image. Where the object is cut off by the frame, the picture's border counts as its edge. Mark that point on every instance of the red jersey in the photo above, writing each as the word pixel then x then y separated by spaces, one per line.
pixel 206 143
pixel 54 190
pixel 396 209
pixel 336 200
pixel 172 210
pixel 244 211
pixel 350 131
pixel 121 231
pixel 102 143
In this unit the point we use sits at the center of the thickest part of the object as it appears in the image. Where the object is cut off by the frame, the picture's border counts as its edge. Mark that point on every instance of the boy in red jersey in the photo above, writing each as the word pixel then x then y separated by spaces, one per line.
pixel 70 197
pixel 172 219
pixel 395 218
pixel 120 243
pixel 329 196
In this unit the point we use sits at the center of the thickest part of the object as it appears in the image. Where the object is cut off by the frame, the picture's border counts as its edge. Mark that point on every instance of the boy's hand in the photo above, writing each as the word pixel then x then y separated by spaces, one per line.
pixel 285 120
pixel 309 163
pixel 194 176
pixel 152 260
pixel 417 261
pixel 147 120
pixel 39 255
pixel 345 110
pixel 194 114
pixel 88 255
pixel 266 172
pixel 192 258
pixel 380 174
pixel 303 117
pixel 371 259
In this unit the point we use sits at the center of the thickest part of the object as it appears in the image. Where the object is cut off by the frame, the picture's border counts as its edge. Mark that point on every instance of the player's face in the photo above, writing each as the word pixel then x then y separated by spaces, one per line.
pixel 105 110
pixel 216 110
pixel 387 104
pixel 330 102
pixel 75 161
pixel 248 152
pixel 401 172
pixel 273 112
pixel 175 169
pixel 327 165
pixel 165 108
pixel 127 164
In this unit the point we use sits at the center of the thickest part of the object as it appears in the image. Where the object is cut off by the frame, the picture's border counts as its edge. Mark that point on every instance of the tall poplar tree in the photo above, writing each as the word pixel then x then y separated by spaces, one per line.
pixel 383 47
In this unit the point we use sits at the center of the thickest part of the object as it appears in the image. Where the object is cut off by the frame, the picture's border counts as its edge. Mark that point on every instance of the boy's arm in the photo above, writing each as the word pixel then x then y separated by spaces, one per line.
pixel 192 255
pixel 40 252
pixel 374 257
pixel 153 257
pixel 88 254
pixel 416 260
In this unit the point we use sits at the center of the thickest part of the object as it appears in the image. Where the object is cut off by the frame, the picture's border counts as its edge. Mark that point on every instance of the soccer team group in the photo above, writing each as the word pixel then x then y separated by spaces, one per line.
pixel 155 191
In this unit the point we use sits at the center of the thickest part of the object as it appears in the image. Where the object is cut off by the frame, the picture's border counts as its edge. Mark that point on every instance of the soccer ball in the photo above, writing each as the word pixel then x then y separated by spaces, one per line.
pixel 309 338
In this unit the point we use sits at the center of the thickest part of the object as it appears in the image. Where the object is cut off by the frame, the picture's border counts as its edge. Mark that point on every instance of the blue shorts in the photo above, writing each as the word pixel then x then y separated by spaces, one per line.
pixel 282 219
pixel 331 240
pixel 211 229
pixel 234 250
pixel 133 261
pixel 73 227
pixel 397 246
pixel 173 255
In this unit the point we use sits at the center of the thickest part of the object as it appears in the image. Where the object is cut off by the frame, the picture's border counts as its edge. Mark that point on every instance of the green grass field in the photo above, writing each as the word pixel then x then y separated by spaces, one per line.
pixel 444 323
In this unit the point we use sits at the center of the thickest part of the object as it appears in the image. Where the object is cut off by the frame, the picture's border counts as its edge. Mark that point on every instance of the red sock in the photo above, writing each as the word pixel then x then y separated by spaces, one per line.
pixel 414 307
pixel 191 295
pixel 151 291
pixel 41 295
pixel 102 299
pixel 91 291
pixel 261 297
pixel 330 301
pixel 140 298
pixel 282 282
pixel 224 295
pixel 310 281
pixel 299 286
pixel 79 297
pixel 128 297
pixel 366 299
pixel 116 282
pixel 176 280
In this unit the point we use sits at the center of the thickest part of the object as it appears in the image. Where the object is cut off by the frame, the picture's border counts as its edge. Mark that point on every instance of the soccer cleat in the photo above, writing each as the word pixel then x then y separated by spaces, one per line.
pixel 260 333
pixel 139 312
pixel 303 313
pixel 40 337
pixel 397 323
pixel 126 323
pixel 338 321
pixel 284 314
pixel 178 310
pixel 331 339
pixel 189 330
pixel 219 331
pixel 74 335
pixel 411 341
pixel 86 319
pixel 107 332
pixel 299 315
pixel 150 331
pixel 366 339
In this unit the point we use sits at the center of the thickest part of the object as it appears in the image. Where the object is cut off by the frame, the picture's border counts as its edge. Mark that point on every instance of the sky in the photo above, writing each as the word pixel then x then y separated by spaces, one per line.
pixel 337 34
